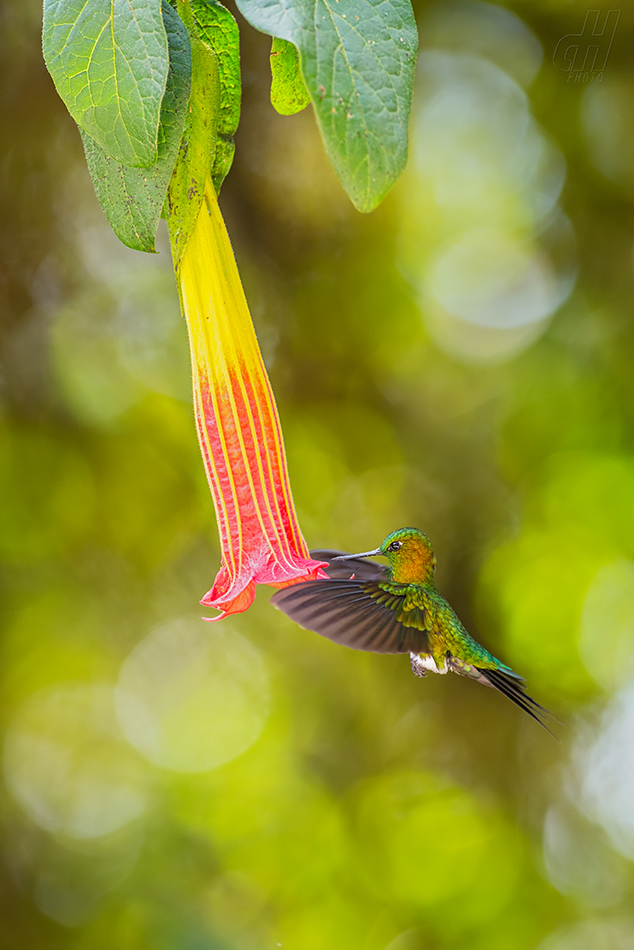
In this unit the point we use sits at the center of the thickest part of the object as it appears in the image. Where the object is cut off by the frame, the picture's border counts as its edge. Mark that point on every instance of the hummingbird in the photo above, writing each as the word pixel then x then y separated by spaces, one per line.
pixel 397 609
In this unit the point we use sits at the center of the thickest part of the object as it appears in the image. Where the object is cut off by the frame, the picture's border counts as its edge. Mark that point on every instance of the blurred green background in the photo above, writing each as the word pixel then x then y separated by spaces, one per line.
pixel 461 360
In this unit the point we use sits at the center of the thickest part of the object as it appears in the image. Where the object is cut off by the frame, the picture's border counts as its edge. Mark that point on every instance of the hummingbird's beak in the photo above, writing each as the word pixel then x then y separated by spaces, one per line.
pixel 351 557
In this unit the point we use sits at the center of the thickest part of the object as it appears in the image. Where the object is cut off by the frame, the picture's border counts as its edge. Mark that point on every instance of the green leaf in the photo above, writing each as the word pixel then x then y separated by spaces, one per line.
pixel 217 27
pixel 132 198
pixel 357 59
pixel 196 154
pixel 288 89
pixel 109 63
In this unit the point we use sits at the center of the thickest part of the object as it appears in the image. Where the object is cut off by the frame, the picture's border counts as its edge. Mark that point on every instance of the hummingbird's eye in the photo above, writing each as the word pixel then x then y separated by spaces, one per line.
pixel 395 545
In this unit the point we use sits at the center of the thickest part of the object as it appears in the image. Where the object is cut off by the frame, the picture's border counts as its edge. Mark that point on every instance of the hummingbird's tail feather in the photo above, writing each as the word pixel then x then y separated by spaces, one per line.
pixel 512 687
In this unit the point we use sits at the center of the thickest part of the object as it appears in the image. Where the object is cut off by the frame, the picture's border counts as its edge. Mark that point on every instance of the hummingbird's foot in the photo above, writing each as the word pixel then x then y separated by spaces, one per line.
pixel 418 667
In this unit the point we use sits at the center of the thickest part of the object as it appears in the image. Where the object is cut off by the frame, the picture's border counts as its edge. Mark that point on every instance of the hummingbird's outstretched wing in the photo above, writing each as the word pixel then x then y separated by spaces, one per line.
pixel 358 614
pixel 352 609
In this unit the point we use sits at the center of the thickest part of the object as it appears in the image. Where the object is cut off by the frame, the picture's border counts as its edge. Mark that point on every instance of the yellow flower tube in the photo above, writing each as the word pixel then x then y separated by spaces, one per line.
pixel 238 425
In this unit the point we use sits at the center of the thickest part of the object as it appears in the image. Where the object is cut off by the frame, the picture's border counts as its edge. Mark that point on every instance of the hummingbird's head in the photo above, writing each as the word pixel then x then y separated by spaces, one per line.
pixel 410 554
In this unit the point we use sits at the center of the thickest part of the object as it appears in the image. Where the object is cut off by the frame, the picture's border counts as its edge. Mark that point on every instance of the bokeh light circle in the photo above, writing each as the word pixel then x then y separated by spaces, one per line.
pixel 607 619
pixel 67 766
pixel 191 697
pixel 489 278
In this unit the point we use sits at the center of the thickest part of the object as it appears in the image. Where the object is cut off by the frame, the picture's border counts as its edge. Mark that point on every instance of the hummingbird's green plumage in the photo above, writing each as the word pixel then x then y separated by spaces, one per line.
pixel 397 609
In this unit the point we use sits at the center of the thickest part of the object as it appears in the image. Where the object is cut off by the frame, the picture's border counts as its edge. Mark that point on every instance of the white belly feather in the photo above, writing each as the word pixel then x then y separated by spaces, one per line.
pixel 423 662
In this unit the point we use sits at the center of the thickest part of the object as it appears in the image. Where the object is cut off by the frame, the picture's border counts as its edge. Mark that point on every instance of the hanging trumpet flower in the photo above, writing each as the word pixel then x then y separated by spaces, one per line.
pixel 238 425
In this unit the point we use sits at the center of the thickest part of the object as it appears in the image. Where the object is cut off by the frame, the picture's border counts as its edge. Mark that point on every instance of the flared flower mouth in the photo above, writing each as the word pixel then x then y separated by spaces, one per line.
pixel 238 425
